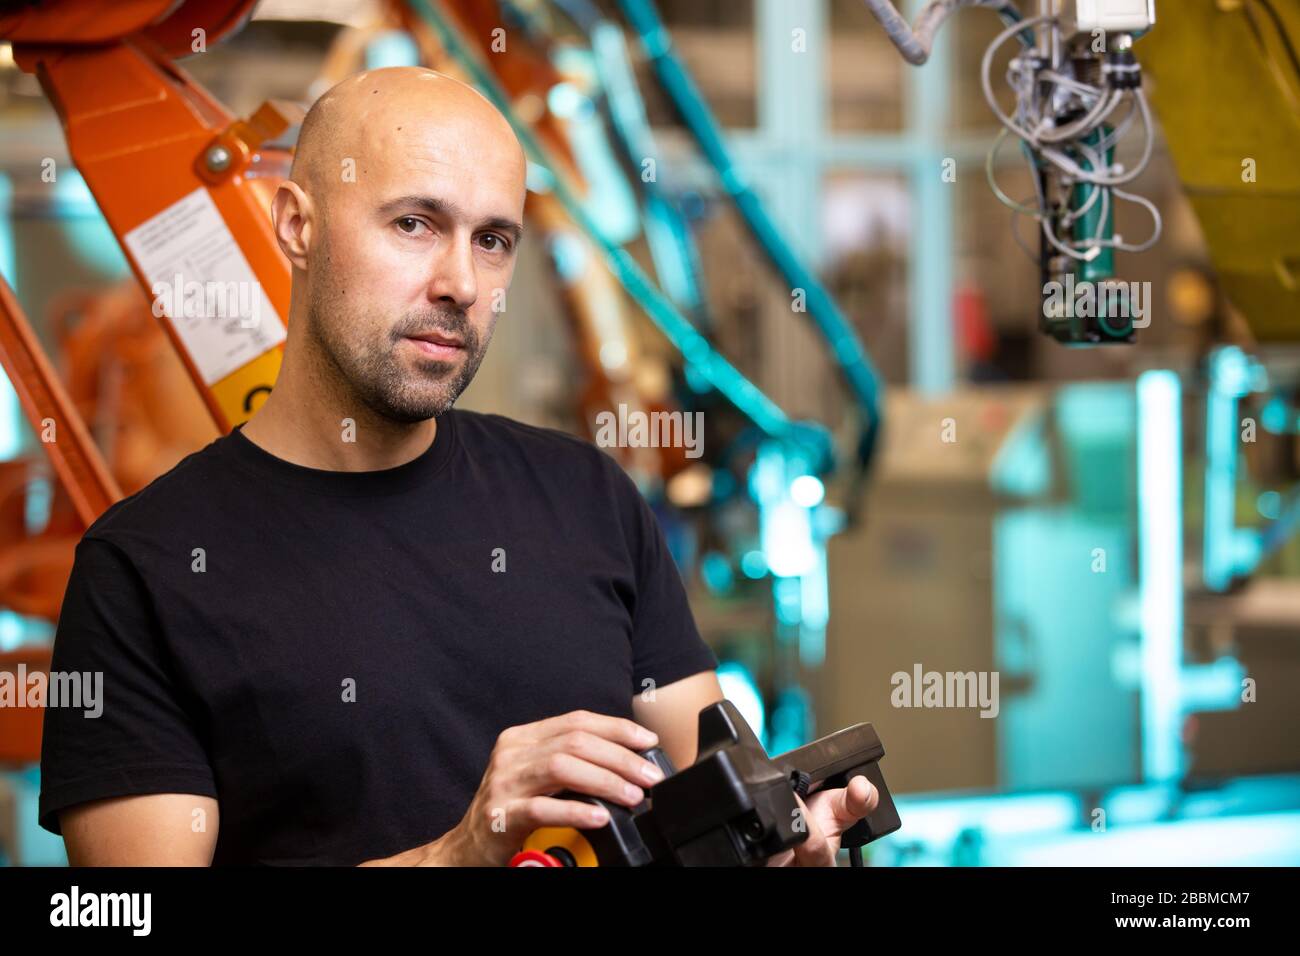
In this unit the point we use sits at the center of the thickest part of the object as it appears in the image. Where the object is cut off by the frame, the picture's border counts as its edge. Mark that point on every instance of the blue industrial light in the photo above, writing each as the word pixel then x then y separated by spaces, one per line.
pixel 753 565
pixel 1160 547
pixel 807 491
pixel 739 687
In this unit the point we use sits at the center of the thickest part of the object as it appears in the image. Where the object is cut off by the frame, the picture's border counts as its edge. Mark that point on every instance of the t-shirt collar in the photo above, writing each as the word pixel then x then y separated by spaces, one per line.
pixel 385 481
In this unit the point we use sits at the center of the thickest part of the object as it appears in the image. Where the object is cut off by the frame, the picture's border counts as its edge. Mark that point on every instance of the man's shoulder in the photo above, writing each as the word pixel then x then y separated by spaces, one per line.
pixel 163 500
pixel 488 430
pixel 572 467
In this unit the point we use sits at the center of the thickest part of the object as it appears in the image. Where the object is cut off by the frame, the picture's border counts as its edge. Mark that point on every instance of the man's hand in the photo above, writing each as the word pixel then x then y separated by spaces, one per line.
pixel 827 814
pixel 580 751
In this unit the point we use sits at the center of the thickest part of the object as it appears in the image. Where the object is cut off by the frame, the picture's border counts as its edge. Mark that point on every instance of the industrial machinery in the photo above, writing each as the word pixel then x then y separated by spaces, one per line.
pixel 1078 92
pixel 180 181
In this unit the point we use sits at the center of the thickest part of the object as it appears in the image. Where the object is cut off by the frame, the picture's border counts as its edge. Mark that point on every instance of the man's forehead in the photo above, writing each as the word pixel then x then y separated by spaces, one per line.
pixel 415 156
pixel 475 186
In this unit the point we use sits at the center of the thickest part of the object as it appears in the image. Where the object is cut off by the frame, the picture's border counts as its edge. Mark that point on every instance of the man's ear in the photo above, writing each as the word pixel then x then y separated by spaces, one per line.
pixel 292 219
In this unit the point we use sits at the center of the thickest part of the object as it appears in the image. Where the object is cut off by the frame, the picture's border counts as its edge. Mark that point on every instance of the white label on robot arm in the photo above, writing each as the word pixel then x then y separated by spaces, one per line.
pixel 200 279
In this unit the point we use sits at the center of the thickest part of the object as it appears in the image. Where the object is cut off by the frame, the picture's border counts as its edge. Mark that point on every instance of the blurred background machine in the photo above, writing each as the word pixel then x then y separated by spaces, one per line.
pixel 758 211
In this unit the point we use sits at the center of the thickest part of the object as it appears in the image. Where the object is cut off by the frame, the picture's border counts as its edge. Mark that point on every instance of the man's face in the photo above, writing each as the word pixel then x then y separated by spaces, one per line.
pixel 416 247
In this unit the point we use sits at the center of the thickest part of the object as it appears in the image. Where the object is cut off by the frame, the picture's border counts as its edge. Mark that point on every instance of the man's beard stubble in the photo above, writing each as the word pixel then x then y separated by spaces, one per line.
pixel 376 377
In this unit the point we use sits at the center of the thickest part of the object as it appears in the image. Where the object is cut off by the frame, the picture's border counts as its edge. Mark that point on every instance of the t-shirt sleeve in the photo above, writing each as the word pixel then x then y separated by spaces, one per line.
pixel 666 644
pixel 130 733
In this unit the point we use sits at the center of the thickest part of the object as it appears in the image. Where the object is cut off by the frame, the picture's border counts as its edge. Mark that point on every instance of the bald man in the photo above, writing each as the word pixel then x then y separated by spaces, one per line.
pixel 365 627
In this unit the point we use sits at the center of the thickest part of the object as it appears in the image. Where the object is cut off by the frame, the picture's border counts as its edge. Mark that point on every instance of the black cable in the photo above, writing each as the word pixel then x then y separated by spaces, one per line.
pixel 855 856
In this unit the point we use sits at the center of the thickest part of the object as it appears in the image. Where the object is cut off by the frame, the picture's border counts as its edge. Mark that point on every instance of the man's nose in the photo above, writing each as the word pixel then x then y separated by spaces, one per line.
pixel 453 277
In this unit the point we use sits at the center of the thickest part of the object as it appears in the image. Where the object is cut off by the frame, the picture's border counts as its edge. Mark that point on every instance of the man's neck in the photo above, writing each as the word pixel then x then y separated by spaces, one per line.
pixel 299 427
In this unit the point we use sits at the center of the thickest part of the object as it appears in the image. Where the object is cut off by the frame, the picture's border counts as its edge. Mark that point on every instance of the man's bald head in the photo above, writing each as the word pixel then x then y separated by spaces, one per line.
pixel 402 216
pixel 368 110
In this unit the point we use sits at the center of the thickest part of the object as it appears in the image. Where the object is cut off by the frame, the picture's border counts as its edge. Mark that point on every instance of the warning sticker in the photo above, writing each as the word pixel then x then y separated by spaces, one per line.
pixel 199 278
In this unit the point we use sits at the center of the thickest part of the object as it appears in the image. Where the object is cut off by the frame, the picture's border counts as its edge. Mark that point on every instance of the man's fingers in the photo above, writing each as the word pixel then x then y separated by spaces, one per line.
pixel 538 812
pixel 619 730
pixel 860 798
pixel 558 770
pixel 816 850
pixel 839 809
pixel 587 746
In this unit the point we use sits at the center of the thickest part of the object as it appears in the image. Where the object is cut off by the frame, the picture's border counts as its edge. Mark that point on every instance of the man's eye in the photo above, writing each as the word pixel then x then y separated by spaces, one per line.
pixel 409 224
pixel 497 243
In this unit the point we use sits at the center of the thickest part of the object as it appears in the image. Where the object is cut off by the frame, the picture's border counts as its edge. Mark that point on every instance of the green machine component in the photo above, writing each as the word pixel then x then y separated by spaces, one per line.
pixel 1098 220
pixel 1082 303
pixel 1112 318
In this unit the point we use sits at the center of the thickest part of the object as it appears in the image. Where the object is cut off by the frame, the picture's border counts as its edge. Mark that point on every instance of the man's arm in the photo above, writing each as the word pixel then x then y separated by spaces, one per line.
pixel 158 829
pixel 673 712
pixel 129 778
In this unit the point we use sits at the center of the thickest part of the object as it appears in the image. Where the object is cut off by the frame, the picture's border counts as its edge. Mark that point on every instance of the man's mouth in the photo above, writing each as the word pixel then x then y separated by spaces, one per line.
pixel 437 344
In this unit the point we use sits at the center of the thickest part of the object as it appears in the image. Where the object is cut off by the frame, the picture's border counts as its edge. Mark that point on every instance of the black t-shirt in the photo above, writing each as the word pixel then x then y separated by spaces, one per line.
pixel 332 654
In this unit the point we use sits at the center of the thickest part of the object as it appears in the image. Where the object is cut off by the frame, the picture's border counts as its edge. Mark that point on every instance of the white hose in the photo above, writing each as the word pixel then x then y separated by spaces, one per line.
pixel 916 41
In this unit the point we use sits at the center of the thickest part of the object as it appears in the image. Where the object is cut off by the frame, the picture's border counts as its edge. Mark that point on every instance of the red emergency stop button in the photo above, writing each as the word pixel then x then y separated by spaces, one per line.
pixel 534 858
